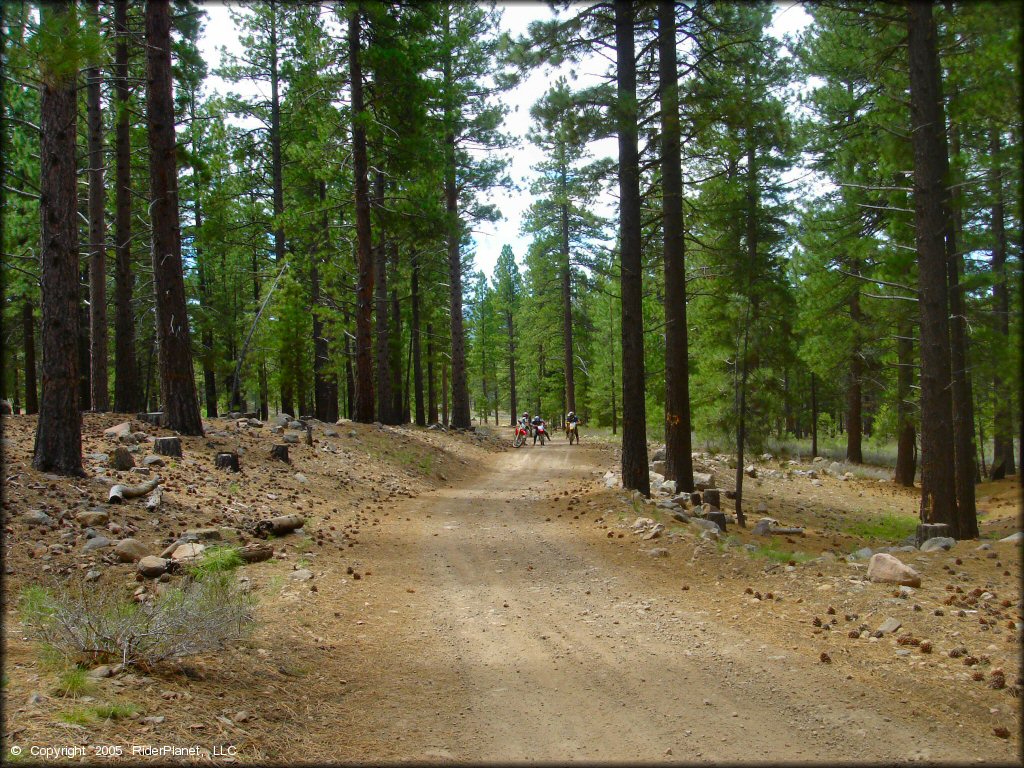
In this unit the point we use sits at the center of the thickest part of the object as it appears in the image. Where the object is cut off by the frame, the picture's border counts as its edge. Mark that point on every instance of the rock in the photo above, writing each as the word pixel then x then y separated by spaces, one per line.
pixel 767 457
pixel 37 517
pixel 835 468
pixel 154 461
pixel 611 480
pixel 290 438
pixel 817 483
pixel 101 671
pixel 711 535
pixel 667 504
pixel 889 626
pixel 657 552
pixel 119 430
pixel 151 566
pixel 818 459
pixel 641 523
pixel 96 456
pixel 750 470
pixel 703 480
pixel 97 542
pixel 93 575
pixel 886 569
pixel 281 419
pixel 302 574
pixel 761 507
pixel 669 486
pixel 300 477
pixel 121 459
pixel 277 430
pixel 763 526
pixel 202 534
pixel 330 433
pixel 658 455
pixel 656 478
pixel 681 517
pixel 93 517
pixel 706 525
pixel 658 467
pixel 863 554
pixel 1013 538
pixel 984 546
pixel 241 717
pixel 295 424
pixel 654 533
pixel 130 550
pixel 187 551
pixel 939 542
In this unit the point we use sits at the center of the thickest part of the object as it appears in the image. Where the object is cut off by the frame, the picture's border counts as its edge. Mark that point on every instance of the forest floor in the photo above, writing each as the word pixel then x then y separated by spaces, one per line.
pixel 474 602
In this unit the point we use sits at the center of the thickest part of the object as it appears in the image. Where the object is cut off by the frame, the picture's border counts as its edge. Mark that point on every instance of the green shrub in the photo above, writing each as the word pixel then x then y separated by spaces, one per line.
pixel 888 527
pixel 216 560
pixel 74 682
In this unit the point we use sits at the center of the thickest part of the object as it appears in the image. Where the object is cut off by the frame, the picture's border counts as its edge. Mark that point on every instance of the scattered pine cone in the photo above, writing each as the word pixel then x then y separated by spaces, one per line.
pixel 978 677
pixel 925 647
pixel 816 622
pixel 956 653
pixel 825 658
pixel 1001 732
pixel 970 661
pixel 831 611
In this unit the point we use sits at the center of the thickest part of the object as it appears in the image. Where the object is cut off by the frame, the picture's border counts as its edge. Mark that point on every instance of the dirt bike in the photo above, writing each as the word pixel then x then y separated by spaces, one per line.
pixel 521 434
pixel 572 431
pixel 540 432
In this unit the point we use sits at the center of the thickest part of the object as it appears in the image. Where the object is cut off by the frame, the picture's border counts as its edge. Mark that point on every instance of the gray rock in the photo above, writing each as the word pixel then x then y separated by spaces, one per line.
pixel 1013 538
pixel 202 534
pixel 654 533
pixel 658 467
pixel 984 546
pixel 154 461
pixel 862 554
pixel 886 569
pixel 763 526
pixel 706 525
pixel 302 574
pixel 657 552
pixel 124 428
pixel 611 480
pixel 750 470
pixel 97 542
pixel 703 480
pixel 151 566
pixel 658 455
pixel 101 671
pixel 281 419
pixel 277 430
pixel 939 542
pixel 93 575
pixel 291 439
pixel 669 486
pixel 681 517
pixel 187 551
pixel 330 433
pixel 711 535
pixel 121 458
pixel 889 626
pixel 300 477
pixel 130 550
pixel 37 517
pixel 296 424
pixel 835 468
pixel 97 456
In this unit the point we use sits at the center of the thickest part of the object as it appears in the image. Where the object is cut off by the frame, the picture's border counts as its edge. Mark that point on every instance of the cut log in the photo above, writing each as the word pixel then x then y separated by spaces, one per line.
pixel 156 419
pixel 279 525
pixel 256 553
pixel 927 531
pixel 309 434
pixel 227 461
pixel 279 451
pixel 121 492
pixel 167 446
pixel 716 517
pixel 785 531
pixel 712 496
pixel 153 502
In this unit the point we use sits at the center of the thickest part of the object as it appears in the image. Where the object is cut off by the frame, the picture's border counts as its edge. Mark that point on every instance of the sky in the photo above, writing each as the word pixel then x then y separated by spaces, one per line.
pixel 513 204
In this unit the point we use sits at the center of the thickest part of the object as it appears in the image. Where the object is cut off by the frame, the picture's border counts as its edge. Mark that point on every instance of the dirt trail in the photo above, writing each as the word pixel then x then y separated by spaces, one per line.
pixel 501 634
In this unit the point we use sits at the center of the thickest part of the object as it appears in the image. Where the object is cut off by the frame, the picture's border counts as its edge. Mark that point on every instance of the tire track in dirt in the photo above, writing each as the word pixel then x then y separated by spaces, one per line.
pixel 527 644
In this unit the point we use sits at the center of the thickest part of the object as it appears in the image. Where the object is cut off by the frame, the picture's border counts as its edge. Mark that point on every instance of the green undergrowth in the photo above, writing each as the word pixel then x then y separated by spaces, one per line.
pixel 887 527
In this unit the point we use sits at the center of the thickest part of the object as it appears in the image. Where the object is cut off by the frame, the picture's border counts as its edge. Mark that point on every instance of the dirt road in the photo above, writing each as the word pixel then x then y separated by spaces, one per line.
pixel 498 632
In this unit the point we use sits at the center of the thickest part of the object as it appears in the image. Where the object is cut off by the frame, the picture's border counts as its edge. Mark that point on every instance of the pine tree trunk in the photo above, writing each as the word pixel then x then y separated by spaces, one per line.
pixel 84 346
pixel 350 387
pixel 938 472
pixel 325 380
pixel 963 398
pixel 209 375
pixel 444 393
pixel 906 449
pixel 127 392
pixel 28 333
pixel 417 362
pixel 565 277
pixel 854 394
pixel 380 279
pixel 58 439
pixel 395 355
pixel 431 393
pixel 1002 437
pixel 814 419
pixel 513 406
pixel 177 379
pixel 611 360
pixel 364 396
pixel 678 459
pixel 634 419
pixel 99 396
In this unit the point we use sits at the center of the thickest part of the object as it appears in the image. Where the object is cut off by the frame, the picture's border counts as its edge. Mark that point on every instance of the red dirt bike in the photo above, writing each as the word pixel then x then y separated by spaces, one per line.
pixel 521 434
pixel 540 432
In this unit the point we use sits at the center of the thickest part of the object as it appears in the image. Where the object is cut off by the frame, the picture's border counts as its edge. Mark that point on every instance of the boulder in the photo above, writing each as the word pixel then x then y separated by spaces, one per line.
pixel 658 455
pixel 124 428
pixel 862 554
pixel 188 551
pixel 120 458
pixel 611 480
pixel 1013 538
pixel 703 480
pixel 835 468
pixel 151 566
pixel 37 517
pixel 654 533
pixel 96 542
pixel 291 438
pixel 281 419
pixel 889 626
pixel 705 525
pixel 130 550
pixel 658 467
pixel 681 517
pixel 657 552
pixel 93 517
pixel 641 523
pixel 939 542
pixel 764 525
pixel 302 574
pixel 669 486
pixel 154 461
pixel 886 569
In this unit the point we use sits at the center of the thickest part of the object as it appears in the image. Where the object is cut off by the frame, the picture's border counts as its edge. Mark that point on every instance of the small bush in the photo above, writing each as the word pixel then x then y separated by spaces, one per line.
pixel 772 551
pixel 74 682
pixel 216 560
pixel 89 715
pixel 91 623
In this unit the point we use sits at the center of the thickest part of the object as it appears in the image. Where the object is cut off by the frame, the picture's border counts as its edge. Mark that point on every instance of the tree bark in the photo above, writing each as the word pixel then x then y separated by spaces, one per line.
pixel 906 450
pixel 364 399
pixel 395 355
pixel 177 379
pixel 127 392
pixel 380 279
pixel 854 394
pixel 814 419
pixel 431 392
pixel 565 278
pixel 634 419
pixel 325 381
pixel 58 439
pixel 98 383
pixel 209 374
pixel 28 332
pixel 938 472
pixel 417 362
pixel 349 382
pixel 1002 433
pixel 678 459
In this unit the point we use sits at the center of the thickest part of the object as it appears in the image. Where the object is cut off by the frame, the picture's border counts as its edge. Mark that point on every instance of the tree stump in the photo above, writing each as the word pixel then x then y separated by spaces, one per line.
pixel 279 451
pixel 695 498
pixel 712 496
pixel 227 461
pixel 156 418
pixel 309 434
pixel 716 517
pixel 927 531
pixel 255 553
pixel 167 446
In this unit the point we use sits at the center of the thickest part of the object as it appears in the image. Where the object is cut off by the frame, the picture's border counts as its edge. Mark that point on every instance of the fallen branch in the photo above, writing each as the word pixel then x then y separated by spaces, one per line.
pixel 121 492
pixel 279 525
pixel 157 496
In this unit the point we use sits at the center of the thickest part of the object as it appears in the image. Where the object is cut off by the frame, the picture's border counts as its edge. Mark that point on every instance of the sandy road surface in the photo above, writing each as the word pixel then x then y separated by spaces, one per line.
pixel 515 639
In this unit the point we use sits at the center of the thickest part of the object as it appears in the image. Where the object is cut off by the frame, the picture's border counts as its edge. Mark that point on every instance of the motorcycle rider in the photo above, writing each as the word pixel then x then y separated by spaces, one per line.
pixel 572 423
pixel 536 422
pixel 524 422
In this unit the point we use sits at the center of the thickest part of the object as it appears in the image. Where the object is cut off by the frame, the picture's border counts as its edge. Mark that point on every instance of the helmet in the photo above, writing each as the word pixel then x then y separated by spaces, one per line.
pixel 526 415
pixel 571 414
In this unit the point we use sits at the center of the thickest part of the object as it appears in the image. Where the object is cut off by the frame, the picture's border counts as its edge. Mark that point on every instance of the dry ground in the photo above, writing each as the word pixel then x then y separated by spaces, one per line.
pixel 500 608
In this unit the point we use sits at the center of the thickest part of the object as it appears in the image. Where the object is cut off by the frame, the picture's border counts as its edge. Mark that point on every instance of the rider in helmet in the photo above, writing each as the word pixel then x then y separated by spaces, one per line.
pixel 524 422
pixel 536 422
pixel 572 422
